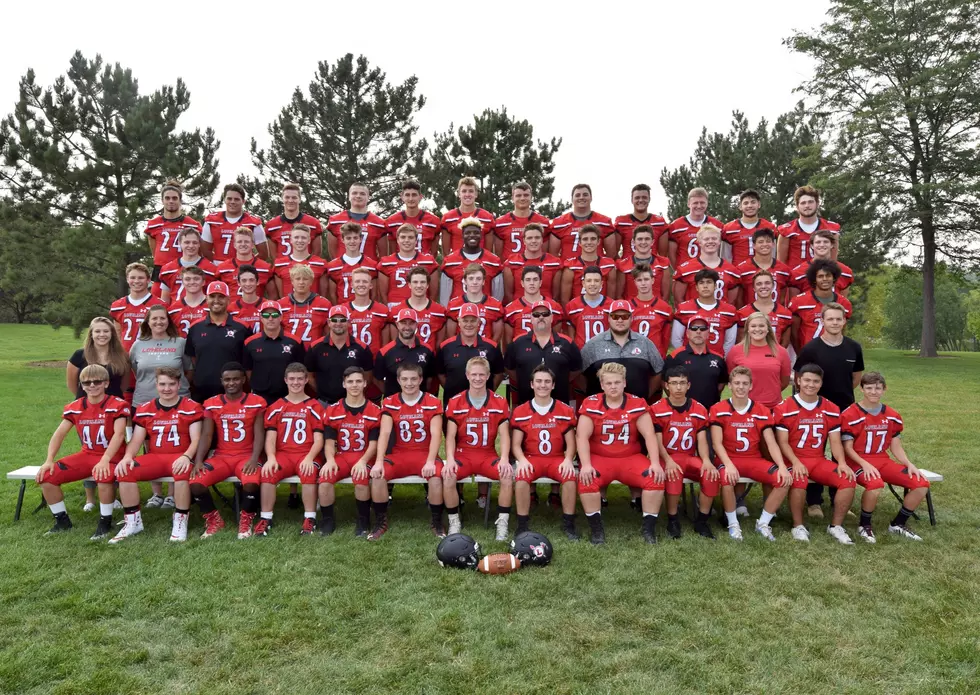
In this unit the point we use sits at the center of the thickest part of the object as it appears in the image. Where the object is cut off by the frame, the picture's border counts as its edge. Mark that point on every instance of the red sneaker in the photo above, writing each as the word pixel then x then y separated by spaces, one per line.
pixel 245 525
pixel 262 528
pixel 380 528
pixel 213 523
pixel 309 525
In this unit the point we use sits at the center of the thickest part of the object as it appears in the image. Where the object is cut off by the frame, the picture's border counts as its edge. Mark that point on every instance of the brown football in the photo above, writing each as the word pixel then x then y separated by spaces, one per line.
pixel 499 563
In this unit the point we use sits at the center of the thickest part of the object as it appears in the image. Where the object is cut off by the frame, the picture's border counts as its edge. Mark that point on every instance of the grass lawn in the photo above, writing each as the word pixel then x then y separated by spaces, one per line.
pixel 300 615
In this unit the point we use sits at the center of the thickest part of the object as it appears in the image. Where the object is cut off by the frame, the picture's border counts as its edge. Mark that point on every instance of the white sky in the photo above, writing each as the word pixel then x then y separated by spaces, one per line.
pixel 627 85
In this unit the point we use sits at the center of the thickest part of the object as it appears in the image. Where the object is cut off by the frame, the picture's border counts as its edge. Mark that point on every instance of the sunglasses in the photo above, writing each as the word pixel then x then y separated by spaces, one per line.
pixel 540 315
pixel 621 317
pixel 270 314
pixel 697 328
pixel 93 382
pixel 338 319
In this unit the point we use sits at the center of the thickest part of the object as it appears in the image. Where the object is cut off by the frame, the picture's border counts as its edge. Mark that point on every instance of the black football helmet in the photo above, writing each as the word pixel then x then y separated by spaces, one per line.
pixel 458 550
pixel 532 549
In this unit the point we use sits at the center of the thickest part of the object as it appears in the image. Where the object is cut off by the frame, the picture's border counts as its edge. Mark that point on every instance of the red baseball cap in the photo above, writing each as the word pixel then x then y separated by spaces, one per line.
pixel 269 304
pixel 541 304
pixel 407 315
pixel 218 287
pixel 469 309
pixel 339 310
pixel 621 305
pixel 697 319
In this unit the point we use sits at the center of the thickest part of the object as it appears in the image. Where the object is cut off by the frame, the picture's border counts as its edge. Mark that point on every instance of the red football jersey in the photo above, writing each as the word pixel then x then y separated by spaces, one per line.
pixel 166 235
pixel 234 422
pixel 577 266
pixel 550 266
pixel 567 228
pixel 872 434
pixel 509 228
pixel 130 316
pixel 168 429
pixel 684 233
pixel 366 324
pixel 739 237
pixel 220 232
pixel 799 239
pixel 410 423
pixel 372 231
pixel 94 422
pixel 477 427
pixel 283 264
pixel 295 424
pixel 455 264
pixel 587 321
pixel 227 272
pixel 432 319
pixel 278 228
pixel 742 432
pixel 728 278
pixel 246 314
pixel 810 309
pixel 797 277
pixel 491 311
pixel 679 425
pixel 614 431
pixel 659 266
pixel 183 315
pixel 747 270
pixel 780 317
pixel 450 223
pixel 428 225
pixel 808 429
pixel 171 279
pixel 517 314
pixel 396 268
pixel 307 319
pixel 627 224
pixel 720 318
pixel 654 319
pixel 339 270
pixel 353 431
pixel 544 435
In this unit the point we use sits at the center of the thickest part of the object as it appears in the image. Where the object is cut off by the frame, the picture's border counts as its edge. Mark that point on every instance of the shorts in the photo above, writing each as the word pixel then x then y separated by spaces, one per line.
pixel 691 469
pixel 477 463
pixel 892 473
pixel 220 467
pixel 758 469
pixel 546 467
pixel 824 472
pixel 77 466
pixel 633 470
pixel 408 464
pixel 345 464
pixel 289 466
pixel 150 467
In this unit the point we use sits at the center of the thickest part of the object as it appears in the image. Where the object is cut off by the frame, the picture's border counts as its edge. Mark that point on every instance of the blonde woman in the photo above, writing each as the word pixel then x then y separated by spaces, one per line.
pixel 768 360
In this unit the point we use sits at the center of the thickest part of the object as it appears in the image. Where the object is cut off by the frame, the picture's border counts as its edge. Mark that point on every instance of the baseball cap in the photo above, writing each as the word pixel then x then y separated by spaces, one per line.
pixel 407 315
pixel 469 309
pixel 218 287
pixel 269 305
pixel 620 305
pixel 338 310
pixel 540 304
pixel 697 319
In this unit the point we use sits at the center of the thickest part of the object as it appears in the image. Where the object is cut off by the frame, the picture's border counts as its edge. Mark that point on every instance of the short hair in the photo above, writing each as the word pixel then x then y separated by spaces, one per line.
pixel 521 186
pixel 697 192
pixel 763 232
pixel 417 270
pixel 474 268
pixel 470 222
pixel 869 378
pixel 533 227
pixel 707 229
pixel 639 187
pixel 292 187
pixel 705 274
pixel 611 369
pixel 833 306
pixel 351 371
pixel 822 264
pixel 187 231
pixel 300 227
pixel 749 193
pixel 94 372
pixel 245 230
pixel 740 370
pixel 191 270
pixel 409 367
pixel 582 185
pixel 137 266
pixel 543 369
pixel 529 269
pixel 172 185
pixel 361 270
pixel 468 181
pixel 676 373
pixel 810 368
pixel 823 234
pixel 169 372
pixel 805 190
pixel 360 184
pixel 232 367
pixel 404 227
pixel 236 187
pixel 247 268
pixel 588 229
pixel 350 228
pixel 643 229
pixel 763 272
pixel 641 268
pixel 296 368
pixel 592 270
pixel 478 362
pixel 301 270
pixel 410 185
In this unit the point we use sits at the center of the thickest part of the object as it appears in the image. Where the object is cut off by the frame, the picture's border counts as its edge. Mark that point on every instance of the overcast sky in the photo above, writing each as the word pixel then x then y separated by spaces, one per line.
pixel 627 85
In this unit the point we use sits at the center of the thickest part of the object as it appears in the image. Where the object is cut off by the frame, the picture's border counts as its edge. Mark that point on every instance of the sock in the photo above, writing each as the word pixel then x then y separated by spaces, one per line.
pixel 267 516
pixel 595 520
pixel 105 509
pixel 309 515
pixel 363 509
pixel 702 517
pixel 451 511
pixel 523 521
pixel 765 517
pixel 437 512
pixel 503 510
pixel 250 503
pixel 326 511
pixel 649 514
pixel 181 512
pixel 131 510
pixel 205 502
pixel 649 521
pixel 732 518
pixel 903 516
pixel 592 514
pixel 381 511
pixel 636 502
pixel 58 508
pixel 670 517
pixel 865 518
pixel 568 519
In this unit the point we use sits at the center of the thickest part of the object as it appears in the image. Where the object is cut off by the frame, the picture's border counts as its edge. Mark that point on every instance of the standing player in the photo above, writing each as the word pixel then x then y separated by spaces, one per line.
pixel 680 243
pixel 565 229
pixel 455 265
pixel 607 438
pixel 100 421
pixel 780 317
pixel 467 191
pixel 128 311
pixel 587 315
pixel 170 281
pixel 642 245
pixel 193 306
pixel 245 307
pixel 532 254
pixel 304 311
pixel 726 287
pixel 405 348
pixel 491 310
pixel 474 419
pixel 393 270
pixel 517 314
pixel 368 319
pixel 163 231
pixel 431 315
pixel 740 234
pixel 373 242
pixel 739 426
pixel 279 227
pixel 267 354
pixel 426 225
pixel 588 257
pixel 219 227
pixel 626 225
pixel 807 308
pixel 721 315
pixel 299 239
pixel 350 445
pixel 793 246
pixel 823 243
pixel 509 228
pixel 652 316
pixel 764 246
pixel 339 269
pixel 408 444
pixel 170 426
pixel 870 431
pixel 234 422
pixel 227 271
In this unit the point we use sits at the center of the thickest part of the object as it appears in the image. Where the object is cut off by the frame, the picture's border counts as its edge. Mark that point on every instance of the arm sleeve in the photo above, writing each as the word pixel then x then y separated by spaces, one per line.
pixel 206 232
pixel 77 359
pixel 497 287
pixel 445 289
pixel 189 344
pixel 677 334
pixel 260 235
pixel 730 338
pixel 575 360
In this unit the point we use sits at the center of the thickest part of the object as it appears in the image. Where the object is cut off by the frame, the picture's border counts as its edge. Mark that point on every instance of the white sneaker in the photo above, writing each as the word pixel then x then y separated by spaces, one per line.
pixel 481 502
pixel 116 504
pixel 840 535
pixel 89 506
pixel 168 503
pixel 765 530
pixel 867 534
pixel 455 524
pixel 904 531
pixel 741 510
pixel 155 502
pixel 735 532
pixel 179 532
pixel 131 528
pixel 801 534
pixel 503 530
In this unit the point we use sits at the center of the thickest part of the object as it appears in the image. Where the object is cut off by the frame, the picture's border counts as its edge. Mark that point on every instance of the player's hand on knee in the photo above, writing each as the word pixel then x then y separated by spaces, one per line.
pixel 270 467
pixel 915 472
pixel 429 470
pixel 524 469
pixel 46 468
pixel 250 467
pixel 566 468
pixel 198 469
pixel 181 465
pixel 783 477
pixel 709 471
pixel 505 470
pixel 732 475
pixel 586 474
pixel 657 471
pixel 870 472
pixel 101 470
pixel 378 471
pixel 330 468
pixel 674 471
pixel 845 471
pixel 120 469
pixel 800 471
pixel 359 471
pixel 306 467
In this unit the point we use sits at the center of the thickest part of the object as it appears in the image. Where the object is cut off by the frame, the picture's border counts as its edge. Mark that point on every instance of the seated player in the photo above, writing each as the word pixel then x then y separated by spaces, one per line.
pixel 726 286
pixel 543 446
pixel 652 315
pixel 587 315
pixel 763 258
pixel 823 243
pixel 408 444
pixel 533 255
pixel 805 424
pixel 643 254
pixel 293 446
pixel 739 426
pixel 870 431
pixel 338 272
pixel 780 318
pixel 681 424
pixel 100 421
pixel 170 427
pixel 589 256
pixel 393 270
pixel 350 445
pixel 491 310
pixel 517 314
pixel 607 438
pixel 474 418
pixel 720 315
pixel 234 422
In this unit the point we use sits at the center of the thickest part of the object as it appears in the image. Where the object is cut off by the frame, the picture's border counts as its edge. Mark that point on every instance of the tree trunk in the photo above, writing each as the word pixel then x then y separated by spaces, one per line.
pixel 928 343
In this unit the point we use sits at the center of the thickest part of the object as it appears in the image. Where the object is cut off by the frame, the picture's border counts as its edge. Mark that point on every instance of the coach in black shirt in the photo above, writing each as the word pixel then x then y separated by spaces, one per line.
pixel 212 342
pixel 404 348
pixel 542 346
pixel 267 354
pixel 454 353
pixel 706 371
pixel 331 355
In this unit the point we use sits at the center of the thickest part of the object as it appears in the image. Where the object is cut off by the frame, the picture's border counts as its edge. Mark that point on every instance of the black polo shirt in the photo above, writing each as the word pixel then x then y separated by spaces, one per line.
pixel 267 359
pixel 839 363
pixel 396 352
pixel 705 372
pixel 559 354
pixel 451 359
pixel 328 362
pixel 212 345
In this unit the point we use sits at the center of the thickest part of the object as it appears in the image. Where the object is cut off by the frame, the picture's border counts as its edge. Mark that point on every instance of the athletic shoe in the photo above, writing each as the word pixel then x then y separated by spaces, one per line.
pixel 309 526
pixel 674 528
pixel 292 502
pixel 178 533
pixel 89 506
pixel 212 523
pixel 503 529
pixel 130 529
pixel 168 503
pixel 360 529
pixel 481 501
pixel 800 533
pixel 60 526
pixel 741 510
pixel 598 536
pixel 647 530
pixel 735 532
pixel 102 529
pixel 245 520
pixel 262 527
pixel 570 532
pixel 380 529
pixel 328 524
pixel 554 499
pixel 765 530
pixel 868 534
pixel 840 535
pixel 703 529
pixel 116 504
pixel 155 502
pixel 455 524
pixel 605 502
pixel 437 529
pixel 905 532
pixel 814 511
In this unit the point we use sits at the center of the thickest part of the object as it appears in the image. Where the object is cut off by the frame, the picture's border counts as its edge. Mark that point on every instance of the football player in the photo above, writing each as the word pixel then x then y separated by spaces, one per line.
pixel 626 225
pixel 587 315
pixel 721 316
pixel 588 257
pixel 823 243
pixel 652 315
pixel 740 234
pixel 227 271
pixel 299 241
pixel 793 246
pixel 780 318
pixel 368 319
pixel 393 270
pixel 170 284
pixel 219 227
pixel 517 314
pixel 565 230
pixel 128 312
pixel 339 269
pixel 455 265
pixel 427 227
pixel 193 306
pixel 163 231
pixel 279 228
pixel 642 254
pixel 533 254
pixel 304 312
pixel 452 222
pixel 807 308
pixel 763 258
pixel 726 288
pixel 491 310
pixel 245 307
pixel 680 243
pixel 431 315
pixel 509 228
pixel 374 243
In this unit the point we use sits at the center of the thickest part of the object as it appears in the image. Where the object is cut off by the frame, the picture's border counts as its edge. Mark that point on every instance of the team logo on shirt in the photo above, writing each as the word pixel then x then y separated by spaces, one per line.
pixel 636 351
pixel 230 333
pixel 556 349
pixel 713 364
pixel 287 349
pixel 421 358
pixel 483 353
pixel 351 354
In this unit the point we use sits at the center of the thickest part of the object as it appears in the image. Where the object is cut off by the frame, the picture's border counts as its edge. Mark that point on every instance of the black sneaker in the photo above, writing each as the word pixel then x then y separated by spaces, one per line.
pixel 598 532
pixel 103 528
pixel 522 526
pixel 361 528
pixel 292 501
pixel 61 524
pixel 328 525
pixel 648 529
pixel 568 527
pixel 674 528
pixel 605 502
pixel 703 530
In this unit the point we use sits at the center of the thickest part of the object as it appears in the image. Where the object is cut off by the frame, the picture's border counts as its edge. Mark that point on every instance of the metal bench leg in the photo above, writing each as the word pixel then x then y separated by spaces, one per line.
pixel 237 505
pixel 486 510
pixel 901 500
pixel 224 499
pixel 20 499
pixel 932 509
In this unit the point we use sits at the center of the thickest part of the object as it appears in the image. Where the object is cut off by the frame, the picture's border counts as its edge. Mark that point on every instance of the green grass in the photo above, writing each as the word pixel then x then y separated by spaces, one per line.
pixel 293 615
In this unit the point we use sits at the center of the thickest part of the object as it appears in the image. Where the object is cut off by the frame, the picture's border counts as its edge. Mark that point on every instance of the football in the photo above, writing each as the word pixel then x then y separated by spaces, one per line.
pixel 499 563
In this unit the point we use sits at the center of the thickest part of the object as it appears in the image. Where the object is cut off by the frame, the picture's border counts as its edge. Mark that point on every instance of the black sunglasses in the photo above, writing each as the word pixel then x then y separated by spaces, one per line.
pixel 93 382
pixel 338 319
pixel 697 328
pixel 539 315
